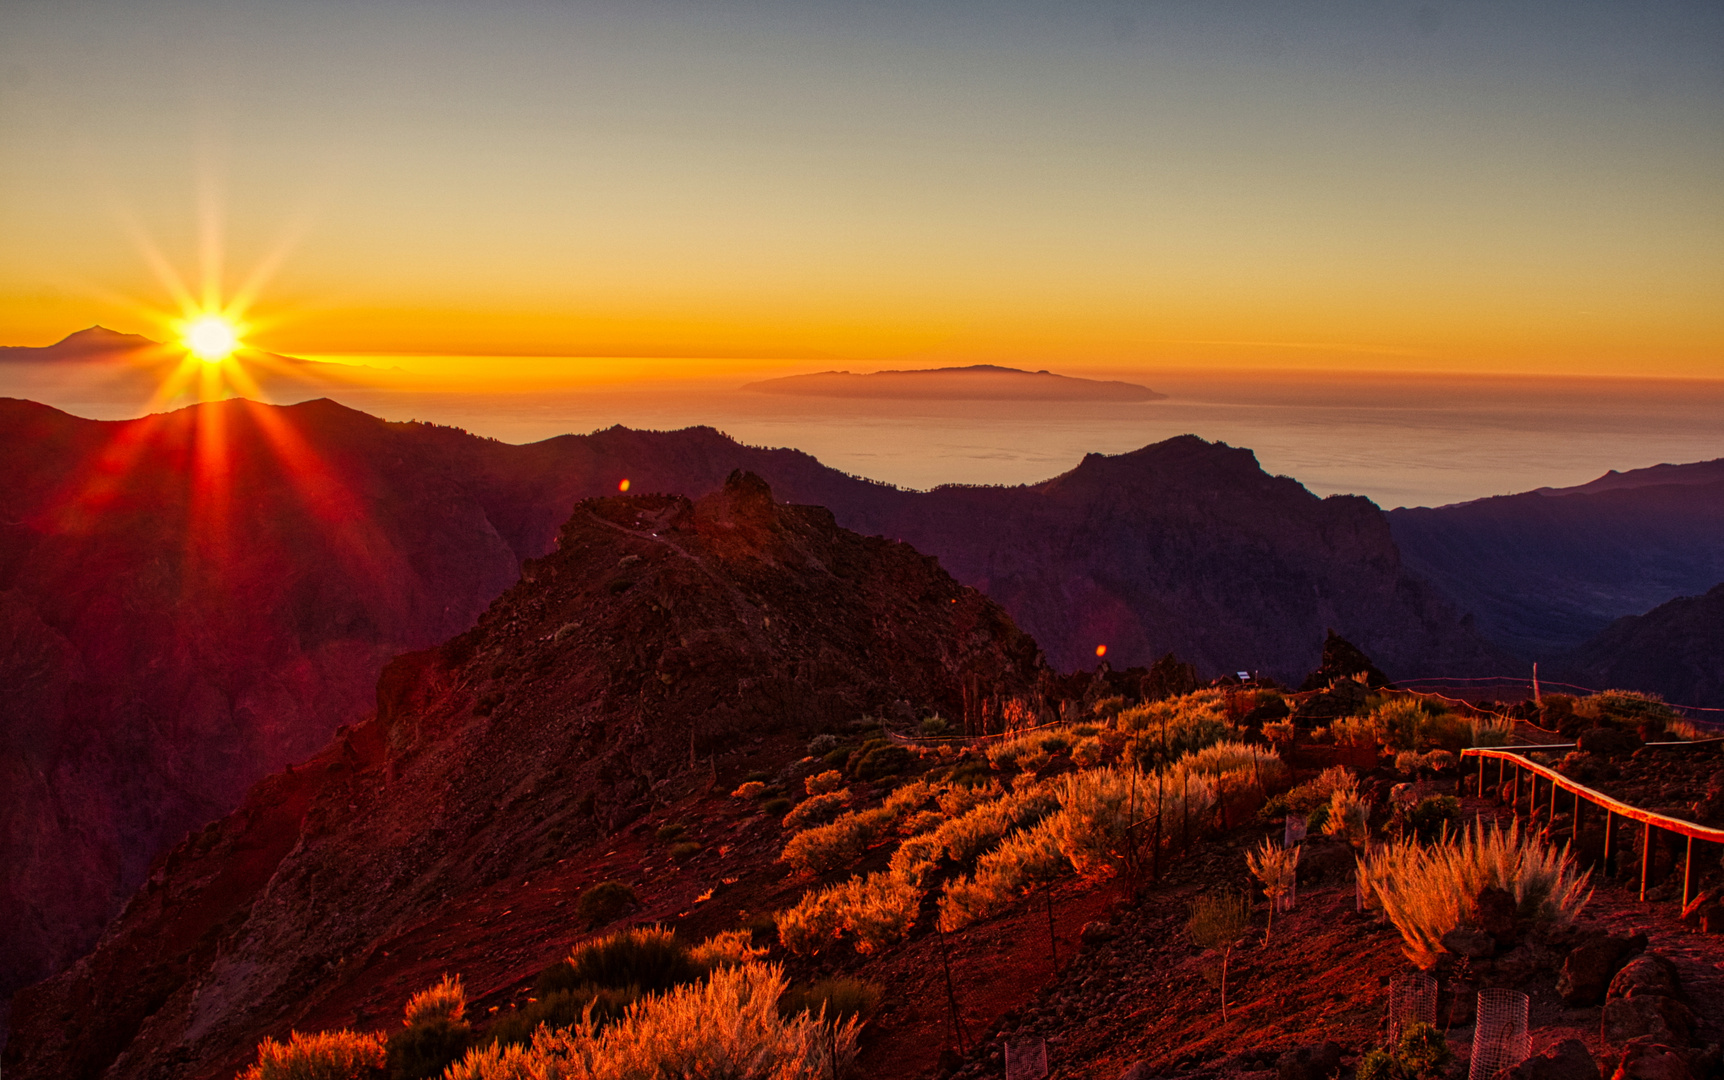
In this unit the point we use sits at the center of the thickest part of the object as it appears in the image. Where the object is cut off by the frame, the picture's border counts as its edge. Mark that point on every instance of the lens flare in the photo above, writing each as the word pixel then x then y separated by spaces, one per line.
pixel 210 338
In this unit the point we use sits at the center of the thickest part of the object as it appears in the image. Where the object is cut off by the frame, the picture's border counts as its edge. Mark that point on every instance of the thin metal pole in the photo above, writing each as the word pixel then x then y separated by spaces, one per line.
pixel 952 997
pixel 1481 776
pixel 1645 856
pixel 1550 820
pixel 1514 800
pixel 1609 828
pixel 1687 872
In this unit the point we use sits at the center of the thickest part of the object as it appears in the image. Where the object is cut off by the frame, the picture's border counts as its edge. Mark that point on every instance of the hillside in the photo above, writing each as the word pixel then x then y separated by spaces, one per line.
pixel 644 659
pixel 197 599
pixel 1677 648
pixel 1543 571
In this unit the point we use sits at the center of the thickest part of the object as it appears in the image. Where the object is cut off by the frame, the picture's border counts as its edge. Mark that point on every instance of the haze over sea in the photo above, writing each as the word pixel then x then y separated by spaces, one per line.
pixel 1401 440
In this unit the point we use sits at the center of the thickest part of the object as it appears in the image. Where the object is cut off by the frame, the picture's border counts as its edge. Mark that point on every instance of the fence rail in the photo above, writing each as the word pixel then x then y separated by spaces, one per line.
pixel 1613 808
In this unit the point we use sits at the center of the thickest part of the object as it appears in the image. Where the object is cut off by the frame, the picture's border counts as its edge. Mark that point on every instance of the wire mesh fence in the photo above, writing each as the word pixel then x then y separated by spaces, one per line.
pixel 1412 1000
pixel 1500 1037
pixel 1026 1059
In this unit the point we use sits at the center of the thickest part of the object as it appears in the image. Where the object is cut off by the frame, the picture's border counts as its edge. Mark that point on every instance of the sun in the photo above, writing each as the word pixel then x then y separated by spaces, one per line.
pixel 210 338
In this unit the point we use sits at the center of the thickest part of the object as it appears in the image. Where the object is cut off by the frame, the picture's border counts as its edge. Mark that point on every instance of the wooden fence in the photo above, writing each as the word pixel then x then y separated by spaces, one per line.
pixel 1613 808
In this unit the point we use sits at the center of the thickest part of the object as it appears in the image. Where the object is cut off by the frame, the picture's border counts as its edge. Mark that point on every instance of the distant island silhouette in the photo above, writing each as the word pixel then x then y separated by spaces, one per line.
pixel 978 382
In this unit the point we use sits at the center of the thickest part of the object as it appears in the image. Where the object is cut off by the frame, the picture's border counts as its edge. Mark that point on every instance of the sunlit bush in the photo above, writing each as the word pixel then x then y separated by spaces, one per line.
pixel 726 1028
pixel 727 948
pixel 326 1055
pixel 816 808
pixel 1490 730
pixel 823 783
pixel 877 909
pixel 1428 890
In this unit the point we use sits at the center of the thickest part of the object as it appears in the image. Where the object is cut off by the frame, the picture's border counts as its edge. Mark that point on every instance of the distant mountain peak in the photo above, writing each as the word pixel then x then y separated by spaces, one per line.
pixel 977 382
pixel 100 337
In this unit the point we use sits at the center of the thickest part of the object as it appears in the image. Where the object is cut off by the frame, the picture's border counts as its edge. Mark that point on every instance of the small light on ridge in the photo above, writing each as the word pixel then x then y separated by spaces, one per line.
pixel 624 486
pixel 1101 650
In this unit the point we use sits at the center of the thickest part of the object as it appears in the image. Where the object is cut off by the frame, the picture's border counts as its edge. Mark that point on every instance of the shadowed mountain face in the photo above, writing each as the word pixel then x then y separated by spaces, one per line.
pixel 660 632
pixel 194 600
pixel 1545 570
pixel 1676 649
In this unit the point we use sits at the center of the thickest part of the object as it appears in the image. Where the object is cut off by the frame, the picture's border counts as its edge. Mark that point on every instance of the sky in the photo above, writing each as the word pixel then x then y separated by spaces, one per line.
pixel 685 189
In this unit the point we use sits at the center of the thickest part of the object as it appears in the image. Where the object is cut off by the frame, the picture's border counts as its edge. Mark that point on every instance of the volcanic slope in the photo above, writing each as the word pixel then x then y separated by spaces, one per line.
pixel 1677 648
pixel 195 599
pixel 660 638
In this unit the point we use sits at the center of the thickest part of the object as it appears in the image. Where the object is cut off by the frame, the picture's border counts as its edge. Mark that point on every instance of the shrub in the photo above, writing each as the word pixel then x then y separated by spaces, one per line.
pixel 1217 921
pixel 882 761
pixel 327 1055
pixel 1258 762
pixel 559 1009
pixel 825 848
pixel 688 849
pixel 816 808
pixel 1349 817
pixel 832 1000
pixel 974 831
pixel 1277 868
pixel 648 957
pixel 935 726
pixel 1354 731
pixel 1428 890
pixel 1446 730
pixel 445 1001
pixel 878 909
pixel 1002 875
pixel 774 807
pixel 1396 722
pixel 727 948
pixel 1168 730
pixel 823 783
pixel 1279 730
pixel 752 789
pixel 821 745
pixel 1490 731
pixel 1627 708
pixel 667 833
pixel 728 1026
pixel 424 1050
pixel 1435 817
pixel 1422 1054
pixel 605 902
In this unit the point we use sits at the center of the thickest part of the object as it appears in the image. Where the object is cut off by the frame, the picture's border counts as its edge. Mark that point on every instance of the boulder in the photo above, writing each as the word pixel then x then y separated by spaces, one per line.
pixel 1648 1059
pixel 1567 1060
pixel 1096 932
pixel 1317 1061
pixel 1138 1070
pixel 1647 975
pixel 1590 966
pixel 1663 1019
pixel 1470 942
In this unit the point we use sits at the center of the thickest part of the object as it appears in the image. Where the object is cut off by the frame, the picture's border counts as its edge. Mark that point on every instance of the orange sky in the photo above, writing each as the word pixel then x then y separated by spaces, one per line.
pixel 806 186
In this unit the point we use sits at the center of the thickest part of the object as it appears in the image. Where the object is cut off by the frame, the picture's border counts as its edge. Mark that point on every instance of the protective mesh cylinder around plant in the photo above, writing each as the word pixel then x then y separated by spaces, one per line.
pixel 1026 1059
pixel 1500 1038
pixel 1412 999
pixel 1294 831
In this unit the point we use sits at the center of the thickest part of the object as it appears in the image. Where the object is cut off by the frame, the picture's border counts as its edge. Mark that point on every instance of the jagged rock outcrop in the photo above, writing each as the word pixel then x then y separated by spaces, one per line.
pixel 659 632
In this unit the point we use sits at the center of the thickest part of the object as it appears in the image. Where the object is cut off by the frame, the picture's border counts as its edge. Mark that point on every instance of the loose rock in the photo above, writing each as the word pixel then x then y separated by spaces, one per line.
pixel 1567 1060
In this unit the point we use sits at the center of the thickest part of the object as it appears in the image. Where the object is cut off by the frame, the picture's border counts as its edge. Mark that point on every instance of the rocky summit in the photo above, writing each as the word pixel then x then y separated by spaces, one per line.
pixel 660 635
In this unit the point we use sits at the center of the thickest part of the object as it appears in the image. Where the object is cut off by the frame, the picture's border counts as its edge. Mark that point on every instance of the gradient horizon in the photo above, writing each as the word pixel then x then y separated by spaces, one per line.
pixel 1112 186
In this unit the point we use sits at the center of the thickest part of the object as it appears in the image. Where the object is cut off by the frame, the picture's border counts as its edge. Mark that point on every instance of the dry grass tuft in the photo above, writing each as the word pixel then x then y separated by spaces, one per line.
pixel 445 1001
pixel 1426 891
pixel 327 1055
pixel 728 1027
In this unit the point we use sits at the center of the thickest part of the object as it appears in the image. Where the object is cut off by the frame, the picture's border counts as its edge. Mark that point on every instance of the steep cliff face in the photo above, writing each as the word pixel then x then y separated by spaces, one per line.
pixel 659 635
